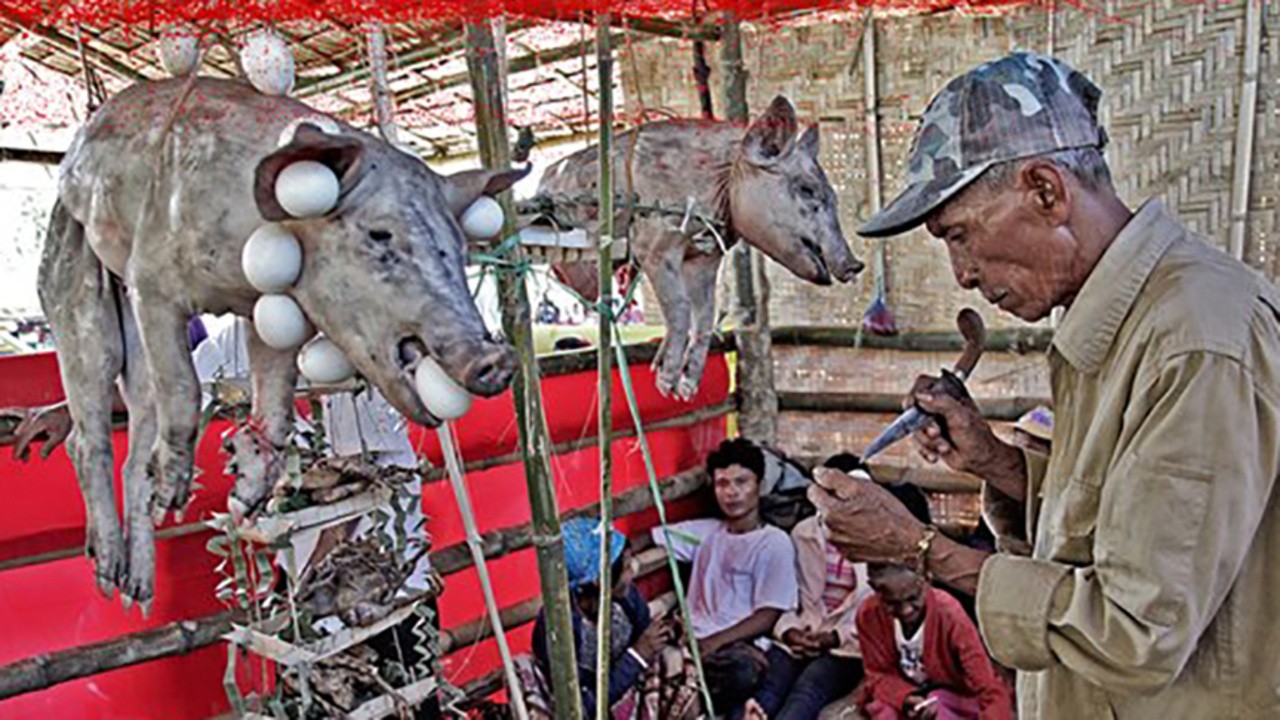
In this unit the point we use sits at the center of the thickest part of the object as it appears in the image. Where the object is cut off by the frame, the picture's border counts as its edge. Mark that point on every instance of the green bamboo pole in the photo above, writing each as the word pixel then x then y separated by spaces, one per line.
pixel 604 624
pixel 491 126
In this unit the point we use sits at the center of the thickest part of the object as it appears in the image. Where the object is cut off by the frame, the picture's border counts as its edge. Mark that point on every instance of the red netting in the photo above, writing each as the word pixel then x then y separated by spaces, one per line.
pixel 160 12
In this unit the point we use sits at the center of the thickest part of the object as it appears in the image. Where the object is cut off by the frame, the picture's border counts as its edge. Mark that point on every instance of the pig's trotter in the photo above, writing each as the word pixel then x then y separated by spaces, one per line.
pixel 171 471
pixel 104 542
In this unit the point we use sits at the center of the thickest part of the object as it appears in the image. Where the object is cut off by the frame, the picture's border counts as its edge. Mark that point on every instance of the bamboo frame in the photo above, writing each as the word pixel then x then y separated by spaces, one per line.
pixel 1020 340
pixel 484 69
pixel 758 417
pixel 604 361
pixel 1246 115
pixel 1008 409
pixel 179 638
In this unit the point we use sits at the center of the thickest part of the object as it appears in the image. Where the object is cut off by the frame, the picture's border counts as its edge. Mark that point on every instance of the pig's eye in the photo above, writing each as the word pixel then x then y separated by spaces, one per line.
pixel 808 192
pixel 380 235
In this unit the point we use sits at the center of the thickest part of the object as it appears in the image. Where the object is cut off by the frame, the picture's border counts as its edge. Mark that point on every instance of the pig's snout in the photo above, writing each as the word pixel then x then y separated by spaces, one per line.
pixel 850 271
pixel 490 373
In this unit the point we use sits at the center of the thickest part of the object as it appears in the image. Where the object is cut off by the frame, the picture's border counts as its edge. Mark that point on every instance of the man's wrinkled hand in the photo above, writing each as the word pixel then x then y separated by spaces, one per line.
pixel 970 445
pixel 865 521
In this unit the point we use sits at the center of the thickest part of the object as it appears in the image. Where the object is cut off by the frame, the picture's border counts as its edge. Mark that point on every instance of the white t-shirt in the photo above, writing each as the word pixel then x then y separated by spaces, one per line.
pixel 911 653
pixel 347 419
pixel 734 575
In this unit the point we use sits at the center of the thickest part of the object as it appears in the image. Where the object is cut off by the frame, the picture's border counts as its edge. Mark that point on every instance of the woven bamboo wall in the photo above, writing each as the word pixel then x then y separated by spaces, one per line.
pixel 1171 72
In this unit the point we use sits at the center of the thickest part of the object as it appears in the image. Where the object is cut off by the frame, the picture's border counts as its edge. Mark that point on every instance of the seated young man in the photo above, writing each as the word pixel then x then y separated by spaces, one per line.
pixel 743 579
pixel 923 655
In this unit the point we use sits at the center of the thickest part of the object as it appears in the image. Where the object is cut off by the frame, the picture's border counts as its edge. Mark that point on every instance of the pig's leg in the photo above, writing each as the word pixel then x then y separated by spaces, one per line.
pixel 78 301
pixel 258 452
pixel 664 272
pixel 162 324
pixel 700 273
pixel 135 388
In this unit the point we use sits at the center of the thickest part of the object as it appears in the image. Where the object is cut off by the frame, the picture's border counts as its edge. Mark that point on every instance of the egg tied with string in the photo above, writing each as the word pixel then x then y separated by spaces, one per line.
pixel 280 322
pixel 442 395
pixel 323 362
pixel 307 189
pixel 271 258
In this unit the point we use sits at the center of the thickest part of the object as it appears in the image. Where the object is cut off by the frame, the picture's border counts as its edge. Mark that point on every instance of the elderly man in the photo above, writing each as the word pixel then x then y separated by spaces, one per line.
pixel 1153 589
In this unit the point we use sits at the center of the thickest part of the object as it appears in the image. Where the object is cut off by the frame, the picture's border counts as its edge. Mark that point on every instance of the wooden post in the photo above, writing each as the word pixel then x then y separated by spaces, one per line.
pixel 758 418
pixel 383 107
pixel 491 126
pixel 604 243
pixel 702 77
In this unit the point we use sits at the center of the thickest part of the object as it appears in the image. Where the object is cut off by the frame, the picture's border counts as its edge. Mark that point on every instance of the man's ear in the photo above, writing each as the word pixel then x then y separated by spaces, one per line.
pixel 340 153
pixel 1048 188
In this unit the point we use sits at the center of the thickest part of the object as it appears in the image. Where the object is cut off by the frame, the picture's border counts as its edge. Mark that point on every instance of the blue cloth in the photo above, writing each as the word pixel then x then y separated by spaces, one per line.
pixel 582 550
pixel 196 332
pixel 624 671
pixel 798 689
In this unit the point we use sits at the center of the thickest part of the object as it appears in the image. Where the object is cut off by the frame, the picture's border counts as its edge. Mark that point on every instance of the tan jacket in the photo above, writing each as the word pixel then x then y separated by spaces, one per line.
pixel 811 571
pixel 1153 590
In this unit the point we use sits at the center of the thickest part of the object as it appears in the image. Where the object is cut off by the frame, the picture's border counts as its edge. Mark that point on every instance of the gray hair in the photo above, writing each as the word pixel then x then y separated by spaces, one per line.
pixel 1087 165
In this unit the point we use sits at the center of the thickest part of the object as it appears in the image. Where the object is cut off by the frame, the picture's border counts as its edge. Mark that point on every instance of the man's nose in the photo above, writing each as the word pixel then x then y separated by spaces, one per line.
pixel 967 277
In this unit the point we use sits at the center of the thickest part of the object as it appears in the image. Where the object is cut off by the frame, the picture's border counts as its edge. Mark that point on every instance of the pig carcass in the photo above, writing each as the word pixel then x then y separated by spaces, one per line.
pixel 157 196
pixel 763 183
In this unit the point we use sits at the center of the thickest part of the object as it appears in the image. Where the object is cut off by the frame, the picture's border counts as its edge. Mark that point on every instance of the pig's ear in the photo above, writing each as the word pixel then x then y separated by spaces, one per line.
pixel 463 188
pixel 340 153
pixel 808 142
pixel 771 135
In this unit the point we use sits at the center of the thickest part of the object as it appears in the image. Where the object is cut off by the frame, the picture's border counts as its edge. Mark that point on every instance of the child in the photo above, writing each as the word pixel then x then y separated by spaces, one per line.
pixel 923 656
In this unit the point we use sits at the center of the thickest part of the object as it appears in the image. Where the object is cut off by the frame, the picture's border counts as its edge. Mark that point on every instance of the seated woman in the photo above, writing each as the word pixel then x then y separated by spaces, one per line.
pixel 743 578
pixel 636 640
pixel 923 655
pixel 818 659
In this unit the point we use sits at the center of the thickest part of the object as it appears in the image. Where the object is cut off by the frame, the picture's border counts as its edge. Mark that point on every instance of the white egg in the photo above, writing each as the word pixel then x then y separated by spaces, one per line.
pixel 272 258
pixel 483 220
pixel 268 63
pixel 307 189
pixel 280 322
pixel 326 125
pixel 179 50
pixel 321 361
pixel 443 396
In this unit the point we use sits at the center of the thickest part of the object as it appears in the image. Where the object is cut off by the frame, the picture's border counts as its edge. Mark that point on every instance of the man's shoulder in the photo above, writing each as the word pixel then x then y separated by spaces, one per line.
pixel 1198 298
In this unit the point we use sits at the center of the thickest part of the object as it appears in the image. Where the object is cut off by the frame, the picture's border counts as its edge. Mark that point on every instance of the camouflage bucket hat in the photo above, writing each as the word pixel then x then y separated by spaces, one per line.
pixel 1019 106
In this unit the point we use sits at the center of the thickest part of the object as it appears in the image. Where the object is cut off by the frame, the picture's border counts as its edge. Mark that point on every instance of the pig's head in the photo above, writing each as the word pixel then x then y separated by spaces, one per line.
pixel 781 202
pixel 384 272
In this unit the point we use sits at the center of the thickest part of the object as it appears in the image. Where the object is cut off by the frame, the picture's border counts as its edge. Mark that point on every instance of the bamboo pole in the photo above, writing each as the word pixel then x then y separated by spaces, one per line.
pixel 700 415
pixel 43 671
pixel 758 417
pixel 491 122
pixel 454 464
pixel 1014 340
pixel 1246 115
pixel 383 107
pixel 604 262
pixel 1010 408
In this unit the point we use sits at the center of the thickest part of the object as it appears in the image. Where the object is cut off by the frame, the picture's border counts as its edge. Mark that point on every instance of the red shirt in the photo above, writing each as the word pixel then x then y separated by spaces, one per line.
pixel 954 656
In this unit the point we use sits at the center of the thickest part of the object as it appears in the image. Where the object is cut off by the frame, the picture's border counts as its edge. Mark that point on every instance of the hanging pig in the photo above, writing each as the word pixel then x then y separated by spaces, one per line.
pixel 157 196
pixel 763 183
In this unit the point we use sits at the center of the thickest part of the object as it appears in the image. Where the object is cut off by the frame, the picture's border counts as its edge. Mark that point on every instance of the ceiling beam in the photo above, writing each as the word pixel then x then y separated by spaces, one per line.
pixel 68 46
pixel 518 65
